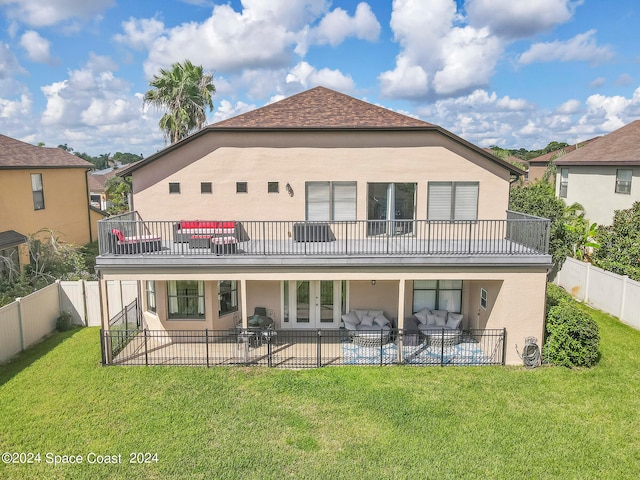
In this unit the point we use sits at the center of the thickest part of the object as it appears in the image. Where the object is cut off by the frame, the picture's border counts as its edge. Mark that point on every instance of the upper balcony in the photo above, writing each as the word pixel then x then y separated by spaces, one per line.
pixel 127 239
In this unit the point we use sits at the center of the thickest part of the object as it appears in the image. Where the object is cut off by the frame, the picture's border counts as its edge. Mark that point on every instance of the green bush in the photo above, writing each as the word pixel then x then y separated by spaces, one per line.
pixel 556 295
pixel 64 322
pixel 572 337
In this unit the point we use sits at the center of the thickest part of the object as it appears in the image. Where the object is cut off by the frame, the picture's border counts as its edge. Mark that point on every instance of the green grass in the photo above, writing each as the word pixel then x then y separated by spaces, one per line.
pixel 342 422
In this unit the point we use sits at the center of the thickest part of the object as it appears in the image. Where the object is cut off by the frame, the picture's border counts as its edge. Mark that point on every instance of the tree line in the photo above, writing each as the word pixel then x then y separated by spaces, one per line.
pixel 104 160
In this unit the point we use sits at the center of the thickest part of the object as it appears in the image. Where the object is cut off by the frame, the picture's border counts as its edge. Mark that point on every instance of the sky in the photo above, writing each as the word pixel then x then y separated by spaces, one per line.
pixel 511 73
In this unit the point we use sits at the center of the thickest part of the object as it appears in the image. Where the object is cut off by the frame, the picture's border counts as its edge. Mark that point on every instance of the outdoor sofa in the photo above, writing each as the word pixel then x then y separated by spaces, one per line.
pixel 119 243
pixel 185 229
pixel 367 327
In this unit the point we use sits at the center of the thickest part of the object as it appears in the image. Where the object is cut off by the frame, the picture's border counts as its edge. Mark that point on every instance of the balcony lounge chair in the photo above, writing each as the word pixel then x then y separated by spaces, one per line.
pixel 119 243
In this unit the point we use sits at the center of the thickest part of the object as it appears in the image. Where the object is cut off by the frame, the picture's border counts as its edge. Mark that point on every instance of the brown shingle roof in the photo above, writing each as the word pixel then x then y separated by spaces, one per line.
pixel 97 182
pixel 546 158
pixel 321 107
pixel 17 154
pixel 620 147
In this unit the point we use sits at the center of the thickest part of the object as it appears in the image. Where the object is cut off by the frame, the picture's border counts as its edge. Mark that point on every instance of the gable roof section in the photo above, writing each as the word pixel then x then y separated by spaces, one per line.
pixel 543 160
pixel 97 182
pixel 15 154
pixel 620 147
pixel 320 109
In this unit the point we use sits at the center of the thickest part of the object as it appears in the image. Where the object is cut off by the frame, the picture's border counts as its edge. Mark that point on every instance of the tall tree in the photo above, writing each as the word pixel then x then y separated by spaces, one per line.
pixel 184 92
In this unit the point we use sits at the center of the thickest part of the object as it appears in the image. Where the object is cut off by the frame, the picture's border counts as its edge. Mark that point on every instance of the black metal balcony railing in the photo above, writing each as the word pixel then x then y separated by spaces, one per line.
pixel 519 234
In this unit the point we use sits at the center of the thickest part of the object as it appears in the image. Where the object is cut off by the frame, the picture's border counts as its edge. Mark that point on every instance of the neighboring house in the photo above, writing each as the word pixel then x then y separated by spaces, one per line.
pixel 404 215
pixel 603 175
pixel 44 189
pixel 97 183
pixel 539 165
pixel 14 254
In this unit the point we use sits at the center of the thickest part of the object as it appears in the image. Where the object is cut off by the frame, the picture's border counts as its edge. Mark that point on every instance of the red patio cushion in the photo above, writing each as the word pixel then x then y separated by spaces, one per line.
pixel 207 224
pixel 189 224
pixel 118 234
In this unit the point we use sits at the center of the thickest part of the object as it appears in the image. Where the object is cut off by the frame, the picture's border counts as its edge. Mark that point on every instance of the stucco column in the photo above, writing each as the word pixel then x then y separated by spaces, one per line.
pixel 243 303
pixel 401 284
pixel 104 304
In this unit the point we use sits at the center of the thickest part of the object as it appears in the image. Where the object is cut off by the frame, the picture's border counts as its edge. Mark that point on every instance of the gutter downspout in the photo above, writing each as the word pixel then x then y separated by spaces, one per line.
pixel 86 184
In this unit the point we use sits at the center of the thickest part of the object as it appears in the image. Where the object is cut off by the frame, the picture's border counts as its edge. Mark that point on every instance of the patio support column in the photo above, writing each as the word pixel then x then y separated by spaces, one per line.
pixel 401 283
pixel 104 304
pixel 243 304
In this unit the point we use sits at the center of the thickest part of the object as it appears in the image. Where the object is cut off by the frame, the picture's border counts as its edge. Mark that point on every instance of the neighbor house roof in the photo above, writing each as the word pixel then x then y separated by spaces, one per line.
pixel 546 158
pixel 620 147
pixel 97 182
pixel 15 154
pixel 11 238
pixel 320 109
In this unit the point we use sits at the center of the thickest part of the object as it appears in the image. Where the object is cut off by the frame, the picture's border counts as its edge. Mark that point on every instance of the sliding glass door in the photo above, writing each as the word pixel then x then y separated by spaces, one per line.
pixel 389 204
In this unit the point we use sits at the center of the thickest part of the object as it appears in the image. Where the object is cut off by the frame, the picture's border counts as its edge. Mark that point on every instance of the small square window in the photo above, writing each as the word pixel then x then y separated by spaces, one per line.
pixel 174 187
pixel 483 298
pixel 241 187
pixel 623 181
pixel 205 187
pixel 273 187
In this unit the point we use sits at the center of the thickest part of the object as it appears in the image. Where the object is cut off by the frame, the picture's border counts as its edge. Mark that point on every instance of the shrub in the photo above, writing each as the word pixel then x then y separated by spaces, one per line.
pixel 556 295
pixel 572 337
pixel 64 322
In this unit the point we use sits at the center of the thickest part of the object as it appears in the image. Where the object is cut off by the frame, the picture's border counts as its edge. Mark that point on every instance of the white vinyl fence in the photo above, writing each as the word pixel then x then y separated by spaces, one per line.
pixel 606 291
pixel 29 319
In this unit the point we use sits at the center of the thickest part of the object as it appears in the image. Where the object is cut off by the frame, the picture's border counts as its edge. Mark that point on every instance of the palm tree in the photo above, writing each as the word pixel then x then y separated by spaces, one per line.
pixel 184 91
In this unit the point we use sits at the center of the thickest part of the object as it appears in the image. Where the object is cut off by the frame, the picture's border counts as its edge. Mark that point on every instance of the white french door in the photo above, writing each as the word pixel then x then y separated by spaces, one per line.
pixel 313 303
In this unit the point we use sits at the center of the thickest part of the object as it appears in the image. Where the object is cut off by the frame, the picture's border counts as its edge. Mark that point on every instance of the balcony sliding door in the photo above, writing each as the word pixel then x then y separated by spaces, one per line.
pixel 388 204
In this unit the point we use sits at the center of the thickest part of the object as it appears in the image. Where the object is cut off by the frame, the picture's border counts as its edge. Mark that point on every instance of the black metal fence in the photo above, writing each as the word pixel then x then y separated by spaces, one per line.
pixel 519 234
pixel 302 348
pixel 127 324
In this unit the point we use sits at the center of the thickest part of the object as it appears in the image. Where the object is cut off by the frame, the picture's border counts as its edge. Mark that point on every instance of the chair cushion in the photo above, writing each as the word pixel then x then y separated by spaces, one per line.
pixel 375 313
pixel 431 319
pixel 454 320
pixel 367 321
pixel 441 321
pixel 118 234
pixel 352 327
pixel 422 315
pixel 381 320
pixel 361 313
pixel 351 318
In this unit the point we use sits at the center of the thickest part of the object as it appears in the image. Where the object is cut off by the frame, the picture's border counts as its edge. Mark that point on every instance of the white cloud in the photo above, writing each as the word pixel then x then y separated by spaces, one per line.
pixel 438 57
pixel 582 47
pixel 37 47
pixel 624 80
pixel 307 76
pixel 10 109
pixel 226 109
pixel 597 82
pixel 9 65
pixel 338 25
pixel 569 107
pixel 41 13
pixel 518 19
pixel 140 33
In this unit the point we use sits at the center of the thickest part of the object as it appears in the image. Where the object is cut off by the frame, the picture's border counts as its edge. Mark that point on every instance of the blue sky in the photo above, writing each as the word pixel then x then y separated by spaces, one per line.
pixel 513 73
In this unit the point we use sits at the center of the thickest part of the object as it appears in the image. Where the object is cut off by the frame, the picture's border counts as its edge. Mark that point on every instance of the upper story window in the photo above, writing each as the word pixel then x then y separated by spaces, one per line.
pixel 206 187
pixel 623 180
pixel 564 182
pixel 174 187
pixel 452 201
pixel 330 201
pixel 38 191
pixel 273 187
pixel 241 187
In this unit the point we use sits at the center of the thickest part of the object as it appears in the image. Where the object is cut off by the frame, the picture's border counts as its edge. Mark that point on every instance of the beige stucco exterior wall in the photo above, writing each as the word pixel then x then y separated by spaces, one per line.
pixel 66 203
pixel 363 158
pixel 594 187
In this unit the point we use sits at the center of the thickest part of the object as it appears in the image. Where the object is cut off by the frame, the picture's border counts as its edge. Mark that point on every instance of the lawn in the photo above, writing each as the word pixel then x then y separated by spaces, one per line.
pixel 334 422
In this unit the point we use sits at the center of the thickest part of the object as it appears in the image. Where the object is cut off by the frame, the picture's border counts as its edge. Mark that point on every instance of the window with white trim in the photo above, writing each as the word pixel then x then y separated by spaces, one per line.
pixel 186 299
pixel 452 200
pixel 564 182
pixel 483 299
pixel 623 180
pixel 38 191
pixel 151 295
pixel 330 201
pixel 227 296
pixel 437 295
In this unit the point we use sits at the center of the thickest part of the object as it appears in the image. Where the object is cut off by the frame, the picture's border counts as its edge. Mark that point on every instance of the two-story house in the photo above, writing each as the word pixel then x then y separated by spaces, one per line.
pixel 603 174
pixel 43 188
pixel 318 205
